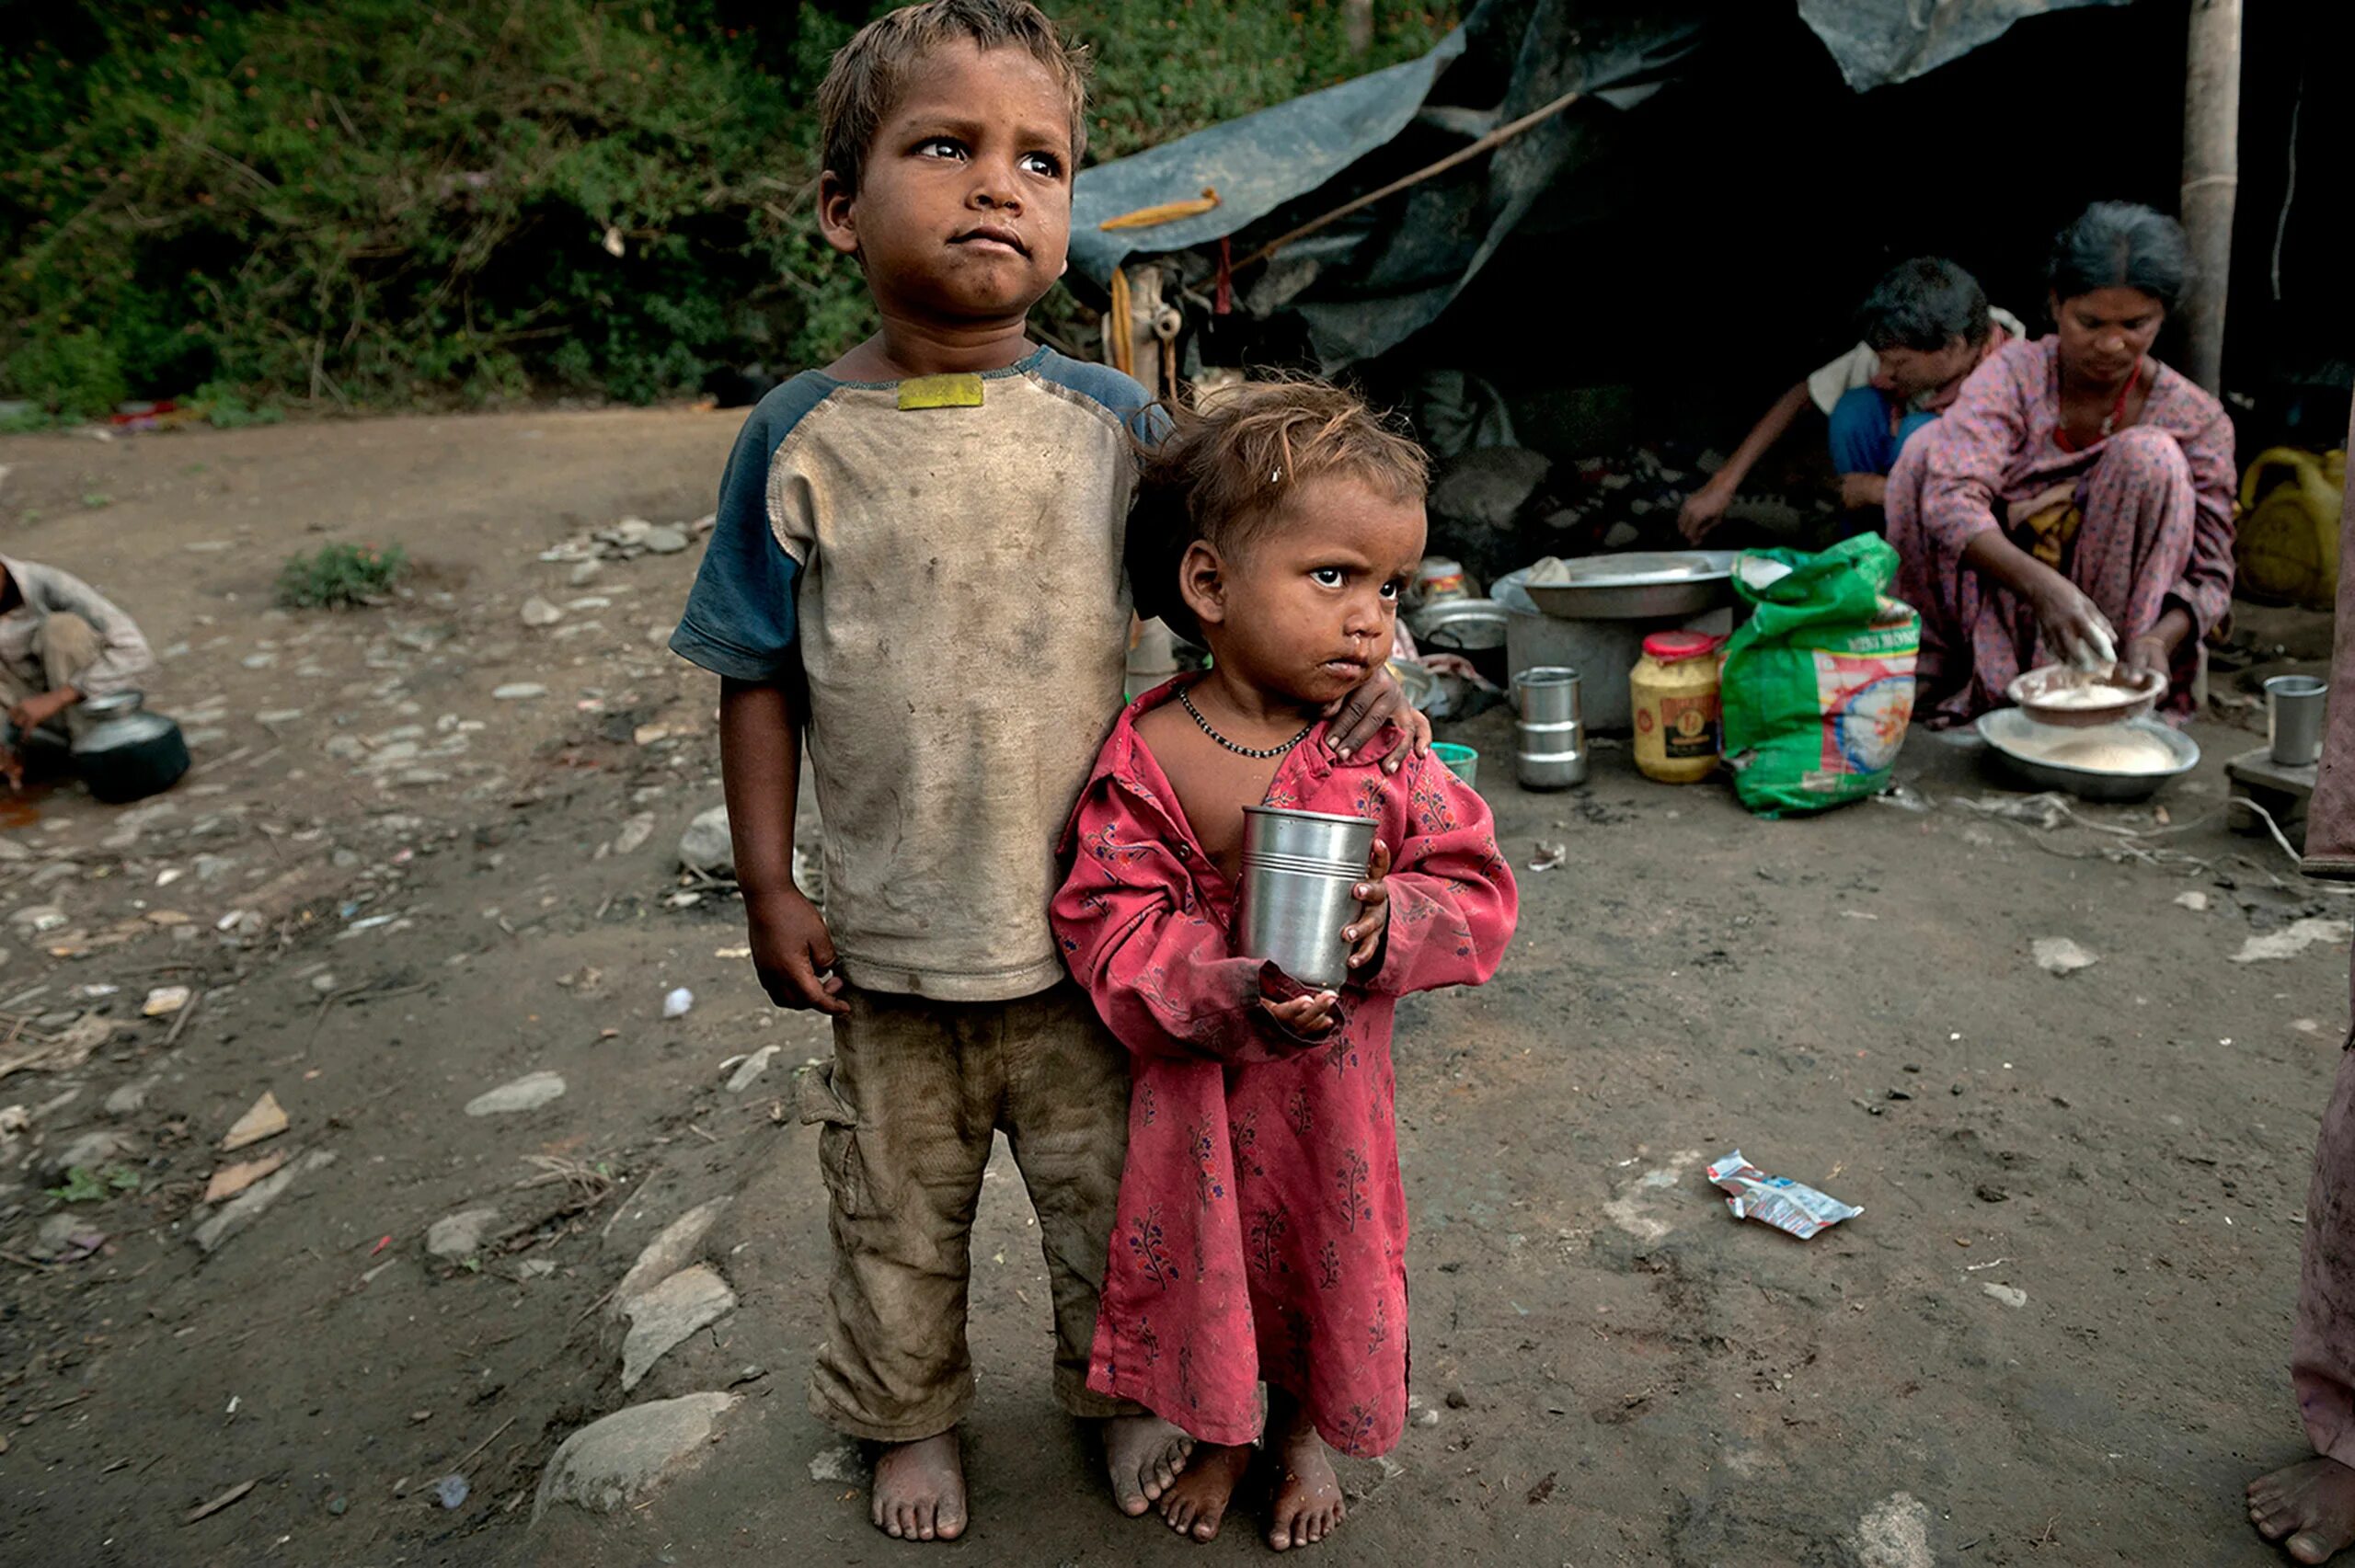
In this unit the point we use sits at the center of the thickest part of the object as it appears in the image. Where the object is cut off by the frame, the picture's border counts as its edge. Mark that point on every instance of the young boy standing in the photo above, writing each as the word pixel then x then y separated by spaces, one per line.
pixel 918 558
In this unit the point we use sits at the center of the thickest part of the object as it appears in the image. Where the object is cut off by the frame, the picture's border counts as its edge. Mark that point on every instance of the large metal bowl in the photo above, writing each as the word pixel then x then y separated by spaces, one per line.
pixel 2018 739
pixel 1637 585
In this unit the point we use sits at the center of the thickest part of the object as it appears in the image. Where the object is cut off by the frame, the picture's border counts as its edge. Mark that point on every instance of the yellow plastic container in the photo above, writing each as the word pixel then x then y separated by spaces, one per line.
pixel 1678 719
pixel 2287 541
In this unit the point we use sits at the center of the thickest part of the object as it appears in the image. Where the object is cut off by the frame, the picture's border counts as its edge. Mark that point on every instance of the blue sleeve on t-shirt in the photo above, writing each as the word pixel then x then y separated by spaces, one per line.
pixel 739 621
pixel 1124 395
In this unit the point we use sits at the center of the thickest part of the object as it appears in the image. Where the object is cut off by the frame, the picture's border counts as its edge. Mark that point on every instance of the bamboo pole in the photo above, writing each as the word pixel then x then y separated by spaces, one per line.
pixel 2211 104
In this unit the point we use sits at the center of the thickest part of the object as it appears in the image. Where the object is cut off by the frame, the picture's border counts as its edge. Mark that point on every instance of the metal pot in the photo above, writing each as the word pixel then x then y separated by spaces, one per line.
pixel 1472 627
pixel 124 752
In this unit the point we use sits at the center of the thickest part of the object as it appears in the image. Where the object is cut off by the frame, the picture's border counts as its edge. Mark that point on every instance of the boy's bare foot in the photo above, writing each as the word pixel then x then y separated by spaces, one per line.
pixel 1308 1495
pixel 920 1489
pixel 2312 1504
pixel 1144 1455
pixel 1196 1502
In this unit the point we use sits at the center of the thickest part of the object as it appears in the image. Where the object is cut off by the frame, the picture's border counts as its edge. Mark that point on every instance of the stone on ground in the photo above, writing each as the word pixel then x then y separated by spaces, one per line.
pixel 528 1093
pixel 705 847
pixel 2059 955
pixel 669 1253
pixel 247 1206
pixel 456 1237
pixel 616 1462
pixel 667 1314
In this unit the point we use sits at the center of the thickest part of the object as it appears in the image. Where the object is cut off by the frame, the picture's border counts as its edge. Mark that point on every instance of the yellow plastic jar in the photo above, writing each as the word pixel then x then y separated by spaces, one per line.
pixel 1674 688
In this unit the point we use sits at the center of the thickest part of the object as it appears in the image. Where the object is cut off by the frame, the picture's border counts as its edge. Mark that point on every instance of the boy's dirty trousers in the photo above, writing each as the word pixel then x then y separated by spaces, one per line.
pixel 906 1115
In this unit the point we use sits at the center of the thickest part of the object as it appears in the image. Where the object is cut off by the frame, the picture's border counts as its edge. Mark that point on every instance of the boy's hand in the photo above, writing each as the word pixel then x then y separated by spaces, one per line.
pixel 1356 718
pixel 33 712
pixel 12 767
pixel 792 952
pixel 1365 934
pixel 1308 1015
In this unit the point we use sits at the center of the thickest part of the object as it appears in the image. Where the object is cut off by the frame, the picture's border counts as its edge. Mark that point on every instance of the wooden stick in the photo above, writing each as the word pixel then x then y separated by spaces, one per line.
pixel 195 1000
pixel 207 1510
pixel 1496 137
pixel 479 1448
pixel 2211 101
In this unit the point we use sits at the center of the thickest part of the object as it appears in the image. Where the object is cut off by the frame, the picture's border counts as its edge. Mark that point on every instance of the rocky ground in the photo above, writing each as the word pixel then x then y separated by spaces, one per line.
pixel 532 1269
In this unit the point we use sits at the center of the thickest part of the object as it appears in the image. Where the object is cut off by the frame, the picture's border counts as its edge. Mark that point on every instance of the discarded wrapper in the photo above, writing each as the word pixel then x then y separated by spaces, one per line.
pixel 1777 1200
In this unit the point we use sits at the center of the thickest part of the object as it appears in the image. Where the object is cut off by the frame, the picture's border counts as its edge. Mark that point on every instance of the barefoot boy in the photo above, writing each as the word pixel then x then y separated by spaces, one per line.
pixel 918 559
pixel 1262 1225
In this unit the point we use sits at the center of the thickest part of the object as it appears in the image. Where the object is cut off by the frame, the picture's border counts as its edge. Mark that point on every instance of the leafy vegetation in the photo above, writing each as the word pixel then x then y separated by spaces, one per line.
pixel 368 203
pixel 84 1184
pixel 339 576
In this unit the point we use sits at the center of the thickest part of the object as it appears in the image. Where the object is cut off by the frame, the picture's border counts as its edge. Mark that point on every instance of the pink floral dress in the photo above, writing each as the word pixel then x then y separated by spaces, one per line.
pixel 1262 1225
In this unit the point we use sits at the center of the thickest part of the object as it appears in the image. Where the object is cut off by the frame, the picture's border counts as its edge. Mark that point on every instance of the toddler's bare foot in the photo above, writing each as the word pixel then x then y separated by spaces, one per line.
pixel 1196 1502
pixel 1308 1495
pixel 2312 1504
pixel 920 1489
pixel 1144 1455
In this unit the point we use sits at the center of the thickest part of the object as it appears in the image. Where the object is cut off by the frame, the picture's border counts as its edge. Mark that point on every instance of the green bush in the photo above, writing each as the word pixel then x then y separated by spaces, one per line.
pixel 339 576
pixel 372 203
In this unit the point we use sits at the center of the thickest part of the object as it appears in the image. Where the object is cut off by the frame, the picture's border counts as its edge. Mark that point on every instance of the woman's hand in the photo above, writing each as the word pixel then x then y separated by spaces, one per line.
pixel 2070 620
pixel 1365 934
pixel 2156 649
pixel 793 952
pixel 1356 719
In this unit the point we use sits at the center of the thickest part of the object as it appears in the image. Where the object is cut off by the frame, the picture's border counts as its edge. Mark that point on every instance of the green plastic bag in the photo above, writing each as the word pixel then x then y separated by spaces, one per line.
pixel 1819 682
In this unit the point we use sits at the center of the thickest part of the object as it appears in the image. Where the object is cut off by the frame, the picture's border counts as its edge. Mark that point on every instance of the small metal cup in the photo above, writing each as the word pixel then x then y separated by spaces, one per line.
pixel 1301 871
pixel 2293 708
pixel 1550 756
pixel 1547 693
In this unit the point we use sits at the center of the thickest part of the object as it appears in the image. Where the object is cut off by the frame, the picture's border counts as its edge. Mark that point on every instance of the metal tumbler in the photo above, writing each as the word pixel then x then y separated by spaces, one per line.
pixel 1547 693
pixel 1549 738
pixel 2294 705
pixel 1301 871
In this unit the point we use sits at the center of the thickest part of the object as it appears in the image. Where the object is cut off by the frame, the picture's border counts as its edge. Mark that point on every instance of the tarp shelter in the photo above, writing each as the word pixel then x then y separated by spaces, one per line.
pixel 1366 283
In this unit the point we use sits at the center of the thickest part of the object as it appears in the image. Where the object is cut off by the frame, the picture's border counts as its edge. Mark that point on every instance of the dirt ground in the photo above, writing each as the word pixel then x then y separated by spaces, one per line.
pixel 2056 1335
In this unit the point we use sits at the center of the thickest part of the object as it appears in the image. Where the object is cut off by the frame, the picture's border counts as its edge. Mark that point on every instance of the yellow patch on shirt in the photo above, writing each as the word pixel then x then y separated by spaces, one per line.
pixel 941 392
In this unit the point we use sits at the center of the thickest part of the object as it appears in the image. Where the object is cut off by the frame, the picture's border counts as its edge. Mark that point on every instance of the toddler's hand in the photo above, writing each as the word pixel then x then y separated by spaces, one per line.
pixel 792 952
pixel 1365 934
pixel 1310 1015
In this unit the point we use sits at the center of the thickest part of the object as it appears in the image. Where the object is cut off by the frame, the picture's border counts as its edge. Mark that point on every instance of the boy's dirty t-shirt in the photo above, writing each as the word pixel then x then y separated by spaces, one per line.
pixel 950 579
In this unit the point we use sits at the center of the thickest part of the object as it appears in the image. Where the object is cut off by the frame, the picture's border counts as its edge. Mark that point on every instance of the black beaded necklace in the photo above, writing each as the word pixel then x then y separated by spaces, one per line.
pixel 1187 702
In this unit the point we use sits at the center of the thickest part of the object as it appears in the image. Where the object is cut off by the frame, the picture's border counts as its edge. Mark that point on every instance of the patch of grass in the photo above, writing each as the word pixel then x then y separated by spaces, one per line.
pixel 339 576
pixel 342 204
pixel 84 1184
pixel 95 500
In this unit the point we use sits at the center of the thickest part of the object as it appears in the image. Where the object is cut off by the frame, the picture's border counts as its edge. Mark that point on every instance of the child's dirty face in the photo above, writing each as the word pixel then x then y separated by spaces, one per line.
pixel 1307 606
pixel 964 214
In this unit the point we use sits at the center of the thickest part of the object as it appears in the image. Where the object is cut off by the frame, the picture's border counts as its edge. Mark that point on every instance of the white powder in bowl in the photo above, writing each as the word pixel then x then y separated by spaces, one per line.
pixel 2113 750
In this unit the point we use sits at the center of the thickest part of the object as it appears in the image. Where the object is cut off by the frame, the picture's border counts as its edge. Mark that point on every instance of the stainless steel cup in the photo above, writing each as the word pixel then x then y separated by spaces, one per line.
pixel 1550 756
pixel 2294 705
pixel 1547 693
pixel 1301 871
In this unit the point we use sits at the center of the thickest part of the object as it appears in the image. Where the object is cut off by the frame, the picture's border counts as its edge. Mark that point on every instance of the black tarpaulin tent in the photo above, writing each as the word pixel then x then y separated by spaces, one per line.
pixel 1366 283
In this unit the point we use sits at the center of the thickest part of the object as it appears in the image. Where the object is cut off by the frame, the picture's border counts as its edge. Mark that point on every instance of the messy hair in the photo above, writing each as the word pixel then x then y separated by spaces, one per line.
pixel 1924 304
pixel 863 84
pixel 1221 474
pixel 2121 245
